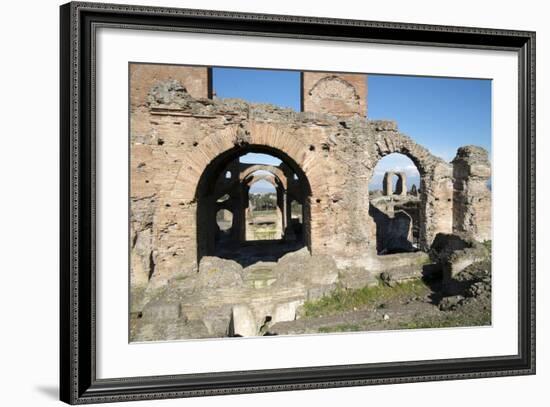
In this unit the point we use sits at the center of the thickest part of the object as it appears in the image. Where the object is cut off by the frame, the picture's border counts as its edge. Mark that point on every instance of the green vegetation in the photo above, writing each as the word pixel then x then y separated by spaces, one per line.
pixel 488 245
pixel 468 316
pixel 266 231
pixel 340 328
pixel 342 300
pixel 265 234
pixel 263 202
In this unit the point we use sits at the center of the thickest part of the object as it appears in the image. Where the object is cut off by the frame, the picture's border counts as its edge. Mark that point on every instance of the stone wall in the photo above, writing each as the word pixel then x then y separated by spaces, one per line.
pixel 335 93
pixel 182 141
pixel 196 80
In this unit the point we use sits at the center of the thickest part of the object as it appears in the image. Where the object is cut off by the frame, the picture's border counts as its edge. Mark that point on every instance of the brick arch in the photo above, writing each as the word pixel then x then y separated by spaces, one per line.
pixel 273 180
pixel 258 138
pixel 229 143
pixel 436 186
pixel 276 171
pixel 341 87
pixel 386 144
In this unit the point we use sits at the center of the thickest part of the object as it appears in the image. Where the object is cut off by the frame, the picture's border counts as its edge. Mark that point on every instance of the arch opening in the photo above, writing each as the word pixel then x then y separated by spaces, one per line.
pixel 396 204
pixel 224 223
pixel 264 183
pixel 263 220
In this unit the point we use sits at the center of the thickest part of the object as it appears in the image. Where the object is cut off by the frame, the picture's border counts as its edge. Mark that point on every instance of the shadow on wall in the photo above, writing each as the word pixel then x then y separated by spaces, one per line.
pixel 255 232
pixel 252 252
pixel 392 234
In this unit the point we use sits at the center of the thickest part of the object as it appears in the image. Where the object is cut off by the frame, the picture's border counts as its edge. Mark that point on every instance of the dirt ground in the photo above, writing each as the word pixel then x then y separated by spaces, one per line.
pixel 466 301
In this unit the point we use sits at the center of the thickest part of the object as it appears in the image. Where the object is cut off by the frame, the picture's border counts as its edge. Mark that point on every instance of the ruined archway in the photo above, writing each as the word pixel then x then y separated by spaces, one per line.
pixel 209 188
pixel 435 193
pixel 400 187
pixel 264 213
pixel 277 172
pixel 394 209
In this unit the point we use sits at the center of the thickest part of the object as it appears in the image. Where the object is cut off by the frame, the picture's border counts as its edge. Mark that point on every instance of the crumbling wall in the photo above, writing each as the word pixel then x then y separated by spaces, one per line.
pixel 472 197
pixel 436 179
pixel 180 142
pixel 195 79
pixel 175 137
pixel 453 253
pixel 340 94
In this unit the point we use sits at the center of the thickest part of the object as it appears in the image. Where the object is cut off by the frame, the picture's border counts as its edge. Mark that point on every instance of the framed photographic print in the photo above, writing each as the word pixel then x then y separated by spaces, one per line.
pixel 256 203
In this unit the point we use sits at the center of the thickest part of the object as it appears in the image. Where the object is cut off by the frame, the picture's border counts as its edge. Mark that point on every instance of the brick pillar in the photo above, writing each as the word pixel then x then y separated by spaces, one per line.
pixel 387 183
pixel 471 195
pixel 401 188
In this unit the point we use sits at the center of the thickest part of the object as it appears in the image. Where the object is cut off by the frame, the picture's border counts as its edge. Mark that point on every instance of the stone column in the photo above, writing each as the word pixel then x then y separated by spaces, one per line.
pixel 280 212
pixel 471 195
pixel 235 224
pixel 240 214
pixel 436 197
pixel 284 211
pixel 289 231
pixel 401 188
pixel 288 209
pixel 387 183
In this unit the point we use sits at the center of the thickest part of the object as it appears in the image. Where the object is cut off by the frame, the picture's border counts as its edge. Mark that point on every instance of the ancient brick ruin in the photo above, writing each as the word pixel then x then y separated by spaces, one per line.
pixel 189 278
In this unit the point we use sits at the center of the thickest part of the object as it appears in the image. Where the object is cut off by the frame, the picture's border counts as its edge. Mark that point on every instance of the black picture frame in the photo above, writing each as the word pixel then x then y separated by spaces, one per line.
pixel 78 382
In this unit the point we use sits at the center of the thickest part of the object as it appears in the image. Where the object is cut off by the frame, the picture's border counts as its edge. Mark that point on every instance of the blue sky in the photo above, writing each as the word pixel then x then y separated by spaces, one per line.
pixel 442 114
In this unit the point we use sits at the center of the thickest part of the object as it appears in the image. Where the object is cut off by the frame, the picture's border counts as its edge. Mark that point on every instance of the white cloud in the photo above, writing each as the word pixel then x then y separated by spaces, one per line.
pixel 396 163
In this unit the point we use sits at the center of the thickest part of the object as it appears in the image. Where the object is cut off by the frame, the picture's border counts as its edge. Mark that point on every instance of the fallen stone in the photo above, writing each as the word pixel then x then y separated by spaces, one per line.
pixel 300 266
pixel 242 322
pixel 215 272
pixel 218 320
pixel 158 310
pixel 285 311
pixel 387 279
pixel 450 303
pixel 456 253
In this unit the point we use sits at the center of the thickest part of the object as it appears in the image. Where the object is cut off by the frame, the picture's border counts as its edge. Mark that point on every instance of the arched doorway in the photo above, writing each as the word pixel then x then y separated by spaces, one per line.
pixel 264 220
pixel 435 189
pixel 394 207
pixel 290 183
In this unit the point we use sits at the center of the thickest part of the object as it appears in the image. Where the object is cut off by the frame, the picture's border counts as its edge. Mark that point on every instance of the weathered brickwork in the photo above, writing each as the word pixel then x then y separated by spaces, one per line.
pixel 472 198
pixel 183 144
pixel 341 94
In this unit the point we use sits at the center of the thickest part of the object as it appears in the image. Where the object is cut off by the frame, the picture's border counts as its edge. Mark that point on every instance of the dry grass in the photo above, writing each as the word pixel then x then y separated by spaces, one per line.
pixel 342 300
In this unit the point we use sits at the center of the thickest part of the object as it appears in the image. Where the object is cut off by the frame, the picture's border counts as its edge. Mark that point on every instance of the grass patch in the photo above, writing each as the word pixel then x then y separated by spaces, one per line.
pixel 265 233
pixel 451 320
pixel 342 300
pixel 340 328
pixel 488 245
